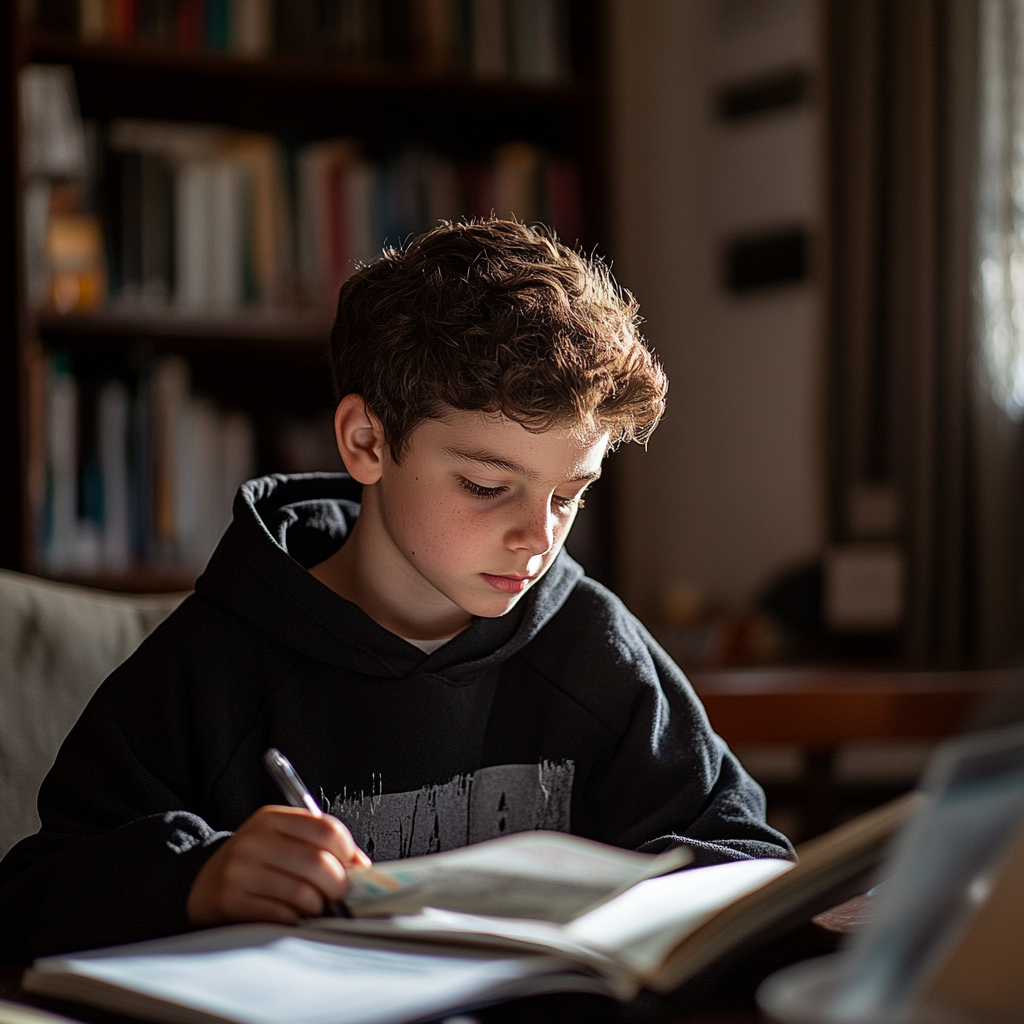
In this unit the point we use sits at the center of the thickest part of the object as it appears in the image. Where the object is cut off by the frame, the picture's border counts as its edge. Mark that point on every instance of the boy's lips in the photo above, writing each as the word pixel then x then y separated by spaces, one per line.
pixel 508 584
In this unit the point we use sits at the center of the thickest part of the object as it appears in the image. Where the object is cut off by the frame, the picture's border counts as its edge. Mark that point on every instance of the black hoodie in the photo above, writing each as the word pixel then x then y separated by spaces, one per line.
pixel 562 714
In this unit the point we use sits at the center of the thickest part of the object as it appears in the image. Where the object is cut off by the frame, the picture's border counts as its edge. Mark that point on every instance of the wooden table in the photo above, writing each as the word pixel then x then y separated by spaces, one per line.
pixel 821 710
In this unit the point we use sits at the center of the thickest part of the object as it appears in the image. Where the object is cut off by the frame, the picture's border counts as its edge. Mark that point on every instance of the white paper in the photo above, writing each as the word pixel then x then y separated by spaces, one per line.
pixel 261 974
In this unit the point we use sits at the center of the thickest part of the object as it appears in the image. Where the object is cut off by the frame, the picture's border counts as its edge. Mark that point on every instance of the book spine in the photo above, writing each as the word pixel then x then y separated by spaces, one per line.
pixel 60 16
pixel 37 379
pixel 170 396
pixel 207 469
pixel 490 46
pixel 311 195
pixel 251 25
pixel 358 186
pixel 550 44
pixel 156 211
pixel 193 209
pixel 93 21
pixel 338 229
pixel 113 451
pixel 62 467
pixel 517 168
pixel 563 201
pixel 523 36
pixel 124 15
pixel 35 222
pixel 143 469
pixel 216 24
pixel 188 25
pixel 88 540
pixel 435 30
pixel 156 22
pixel 226 287
pixel 130 224
pixel 184 456
pixel 395 39
pixel 443 194
pixel 296 25
pixel 237 461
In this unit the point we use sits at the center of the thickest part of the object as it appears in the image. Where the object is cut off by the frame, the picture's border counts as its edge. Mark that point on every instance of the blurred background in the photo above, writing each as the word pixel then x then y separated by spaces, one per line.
pixel 818 204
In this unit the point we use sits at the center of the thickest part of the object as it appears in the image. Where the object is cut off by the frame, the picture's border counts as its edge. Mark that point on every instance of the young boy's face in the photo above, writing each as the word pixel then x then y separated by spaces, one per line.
pixel 479 507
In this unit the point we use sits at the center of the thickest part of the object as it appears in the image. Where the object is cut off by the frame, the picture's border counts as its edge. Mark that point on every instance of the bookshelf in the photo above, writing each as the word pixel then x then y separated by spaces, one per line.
pixel 267 362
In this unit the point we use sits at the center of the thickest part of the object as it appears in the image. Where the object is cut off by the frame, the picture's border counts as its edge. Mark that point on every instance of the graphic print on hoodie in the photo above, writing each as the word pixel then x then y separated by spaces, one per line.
pixel 486 804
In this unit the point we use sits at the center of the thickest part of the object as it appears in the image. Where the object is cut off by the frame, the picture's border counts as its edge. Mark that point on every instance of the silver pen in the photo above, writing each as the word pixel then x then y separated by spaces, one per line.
pixel 288 781
pixel 293 790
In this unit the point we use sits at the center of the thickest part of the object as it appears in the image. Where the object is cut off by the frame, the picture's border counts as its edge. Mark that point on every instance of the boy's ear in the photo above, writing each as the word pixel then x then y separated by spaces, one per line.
pixel 360 439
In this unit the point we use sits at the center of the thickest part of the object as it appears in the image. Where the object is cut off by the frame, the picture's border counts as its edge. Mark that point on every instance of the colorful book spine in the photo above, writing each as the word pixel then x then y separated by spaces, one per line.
pixel 518 39
pixel 134 472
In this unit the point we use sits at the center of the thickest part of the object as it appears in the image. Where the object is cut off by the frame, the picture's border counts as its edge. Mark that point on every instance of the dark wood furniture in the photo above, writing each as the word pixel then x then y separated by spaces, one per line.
pixel 821 710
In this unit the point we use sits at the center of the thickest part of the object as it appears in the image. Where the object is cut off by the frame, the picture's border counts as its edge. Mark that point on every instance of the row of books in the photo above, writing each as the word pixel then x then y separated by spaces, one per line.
pixel 131 473
pixel 518 39
pixel 200 217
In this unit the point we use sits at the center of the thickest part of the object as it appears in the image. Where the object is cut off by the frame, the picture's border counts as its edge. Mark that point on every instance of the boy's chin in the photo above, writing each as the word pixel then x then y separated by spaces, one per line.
pixel 493 606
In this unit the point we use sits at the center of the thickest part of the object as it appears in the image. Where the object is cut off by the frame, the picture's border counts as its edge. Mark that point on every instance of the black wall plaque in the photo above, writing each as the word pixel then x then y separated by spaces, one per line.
pixel 766 259
pixel 781 89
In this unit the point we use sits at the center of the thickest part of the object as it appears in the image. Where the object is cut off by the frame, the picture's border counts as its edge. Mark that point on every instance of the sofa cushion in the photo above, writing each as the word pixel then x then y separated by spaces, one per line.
pixel 58 642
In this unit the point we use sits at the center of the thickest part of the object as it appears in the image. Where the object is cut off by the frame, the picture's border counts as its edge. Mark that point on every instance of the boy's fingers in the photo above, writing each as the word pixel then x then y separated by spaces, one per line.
pixel 253 907
pixel 280 852
pixel 298 894
pixel 286 870
pixel 325 832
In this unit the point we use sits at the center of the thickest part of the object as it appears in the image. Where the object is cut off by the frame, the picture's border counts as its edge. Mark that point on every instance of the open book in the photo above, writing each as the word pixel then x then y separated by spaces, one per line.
pixel 659 932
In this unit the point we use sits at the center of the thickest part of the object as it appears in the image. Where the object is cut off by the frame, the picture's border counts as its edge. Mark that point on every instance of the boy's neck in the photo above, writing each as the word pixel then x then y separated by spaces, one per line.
pixel 365 571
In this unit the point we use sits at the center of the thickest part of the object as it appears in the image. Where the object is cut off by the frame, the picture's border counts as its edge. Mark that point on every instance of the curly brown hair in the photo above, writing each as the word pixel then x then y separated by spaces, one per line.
pixel 496 316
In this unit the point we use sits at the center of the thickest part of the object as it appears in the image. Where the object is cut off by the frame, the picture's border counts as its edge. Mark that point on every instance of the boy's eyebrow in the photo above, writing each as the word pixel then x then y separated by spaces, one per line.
pixel 486 458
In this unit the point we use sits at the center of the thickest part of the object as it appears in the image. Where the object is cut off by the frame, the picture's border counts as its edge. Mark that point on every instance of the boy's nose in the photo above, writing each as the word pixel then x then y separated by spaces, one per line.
pixel 535 533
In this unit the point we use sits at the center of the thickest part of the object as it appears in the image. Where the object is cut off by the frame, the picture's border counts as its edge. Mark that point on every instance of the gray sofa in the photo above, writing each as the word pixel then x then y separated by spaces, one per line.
pixel 58 642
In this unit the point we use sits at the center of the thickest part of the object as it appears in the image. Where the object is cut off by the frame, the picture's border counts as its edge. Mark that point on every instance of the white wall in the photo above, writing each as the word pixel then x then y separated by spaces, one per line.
pixel 732 487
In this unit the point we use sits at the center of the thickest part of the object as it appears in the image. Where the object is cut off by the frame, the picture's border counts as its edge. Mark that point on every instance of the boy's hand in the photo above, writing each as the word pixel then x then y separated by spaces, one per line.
pixel 281 865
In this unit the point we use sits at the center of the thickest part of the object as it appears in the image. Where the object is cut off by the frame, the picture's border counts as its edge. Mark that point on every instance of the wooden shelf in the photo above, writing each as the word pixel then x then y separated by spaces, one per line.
pixel 297 98
pixel 307 331
pixel 47 46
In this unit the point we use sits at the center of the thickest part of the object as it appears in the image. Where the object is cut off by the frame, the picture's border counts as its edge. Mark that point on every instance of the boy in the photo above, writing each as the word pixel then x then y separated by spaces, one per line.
pixel 410 635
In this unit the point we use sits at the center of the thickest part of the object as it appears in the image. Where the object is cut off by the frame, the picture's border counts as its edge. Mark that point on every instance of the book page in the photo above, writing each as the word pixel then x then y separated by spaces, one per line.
pixel 547 876
pixel 624 939
pixel 642 926
pixel 263 974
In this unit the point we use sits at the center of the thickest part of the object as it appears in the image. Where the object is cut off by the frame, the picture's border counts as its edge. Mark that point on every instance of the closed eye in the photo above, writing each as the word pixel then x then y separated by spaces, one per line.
pixel 566 504
pixel 479 490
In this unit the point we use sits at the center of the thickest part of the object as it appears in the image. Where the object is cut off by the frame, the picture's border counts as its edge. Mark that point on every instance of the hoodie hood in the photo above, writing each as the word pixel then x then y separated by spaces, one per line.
pixel 284 525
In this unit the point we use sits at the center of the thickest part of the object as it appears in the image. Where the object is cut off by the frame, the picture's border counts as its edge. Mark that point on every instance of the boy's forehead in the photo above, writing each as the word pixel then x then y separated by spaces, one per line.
pixel 505 445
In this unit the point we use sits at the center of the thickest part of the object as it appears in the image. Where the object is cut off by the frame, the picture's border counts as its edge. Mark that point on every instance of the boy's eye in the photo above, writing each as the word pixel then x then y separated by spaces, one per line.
pixel 479 490
pixel 566 504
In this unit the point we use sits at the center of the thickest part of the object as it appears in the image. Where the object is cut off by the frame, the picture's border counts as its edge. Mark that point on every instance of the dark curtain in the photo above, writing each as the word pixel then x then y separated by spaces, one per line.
pixel 925 446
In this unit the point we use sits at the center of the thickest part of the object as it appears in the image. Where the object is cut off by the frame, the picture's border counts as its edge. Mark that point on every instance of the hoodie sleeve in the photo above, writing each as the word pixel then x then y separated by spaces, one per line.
pixel 670 779
pixel 118 849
